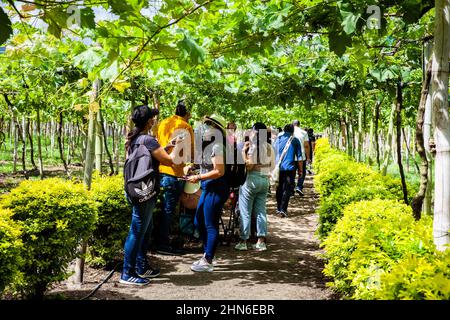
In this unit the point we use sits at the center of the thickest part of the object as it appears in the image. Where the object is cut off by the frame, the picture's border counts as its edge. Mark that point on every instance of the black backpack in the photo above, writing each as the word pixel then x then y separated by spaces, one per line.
pixel 236 172
pixel 140 178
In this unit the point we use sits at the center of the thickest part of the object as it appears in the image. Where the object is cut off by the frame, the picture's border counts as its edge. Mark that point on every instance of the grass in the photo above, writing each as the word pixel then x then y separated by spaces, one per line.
pixel 50 157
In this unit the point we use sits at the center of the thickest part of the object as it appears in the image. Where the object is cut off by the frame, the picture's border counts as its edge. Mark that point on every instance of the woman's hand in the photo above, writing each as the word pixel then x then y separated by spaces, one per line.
pixel 193 179
pixel 246 146
pixel 188 169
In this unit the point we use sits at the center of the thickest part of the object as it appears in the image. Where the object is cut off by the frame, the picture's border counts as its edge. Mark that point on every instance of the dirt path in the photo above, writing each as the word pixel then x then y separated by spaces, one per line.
pixel 290 269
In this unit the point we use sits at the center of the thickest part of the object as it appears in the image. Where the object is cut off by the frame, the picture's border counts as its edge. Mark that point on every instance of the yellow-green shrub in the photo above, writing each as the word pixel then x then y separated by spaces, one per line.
pixel 368 241
pixel 10 248
pixel 114 216
pixel 341 181
pixel 55 215
pixel 418 278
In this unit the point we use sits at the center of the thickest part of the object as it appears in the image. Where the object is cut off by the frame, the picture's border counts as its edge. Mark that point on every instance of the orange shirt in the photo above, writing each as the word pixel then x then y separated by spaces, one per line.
pixel 167 130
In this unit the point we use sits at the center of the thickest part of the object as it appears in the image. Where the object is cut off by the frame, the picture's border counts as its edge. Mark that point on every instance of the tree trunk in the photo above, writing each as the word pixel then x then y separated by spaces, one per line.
pixel 15 138
pixel 416 203
pixel 406 140
pixel 377 144
pixel 370 152
pixel 348 137
pixel 408 149
pixel 52 136
pixel 388 142
pixel 398 110
pixel 88 168
pixel 23 138
pixel 30 139
pixel 343 136
pixel 118 145
pixel 105 141
pixel 98 143
pixel 360 135
pixel 69 142
pixel 440 73
pixel 427 129
pixel 60 144
pixel 41 166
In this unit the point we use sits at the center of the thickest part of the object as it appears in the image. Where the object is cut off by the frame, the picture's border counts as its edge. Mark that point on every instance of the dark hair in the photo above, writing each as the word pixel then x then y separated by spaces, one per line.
pixel 181 109
pixel 259 126
pixel 289 128
pixel 140 116
pixel 296 123
pixel 279 129
pixel 310 131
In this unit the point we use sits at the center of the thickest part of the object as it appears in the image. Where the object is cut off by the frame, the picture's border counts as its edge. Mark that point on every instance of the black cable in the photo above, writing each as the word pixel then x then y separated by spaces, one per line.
pixel 101 283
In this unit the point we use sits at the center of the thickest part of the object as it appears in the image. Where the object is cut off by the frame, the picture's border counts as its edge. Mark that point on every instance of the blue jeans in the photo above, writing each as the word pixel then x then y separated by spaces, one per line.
pixel 136 244
pixel 252 199
pixel 214 194
pixel 301 179
pixel 171 191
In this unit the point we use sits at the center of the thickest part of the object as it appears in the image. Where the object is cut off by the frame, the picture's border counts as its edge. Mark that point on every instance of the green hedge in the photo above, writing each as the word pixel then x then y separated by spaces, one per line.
pixel 374 249
pixel 55 215
pixel 10 249
pixel 114 216
pixel 369 241
pixel 341 181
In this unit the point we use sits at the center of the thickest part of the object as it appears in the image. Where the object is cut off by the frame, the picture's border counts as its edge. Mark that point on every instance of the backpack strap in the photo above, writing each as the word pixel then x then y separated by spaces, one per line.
pixel 286 147
pixel 136 142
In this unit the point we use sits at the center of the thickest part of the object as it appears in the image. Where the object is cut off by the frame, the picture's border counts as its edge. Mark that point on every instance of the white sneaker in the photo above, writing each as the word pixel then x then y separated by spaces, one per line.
pixel 202 266
pixel 214 261
pixel 260 246
pixel 241 246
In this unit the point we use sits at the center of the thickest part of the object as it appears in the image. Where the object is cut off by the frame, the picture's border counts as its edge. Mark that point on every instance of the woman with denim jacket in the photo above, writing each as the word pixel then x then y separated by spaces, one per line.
pixel 259 159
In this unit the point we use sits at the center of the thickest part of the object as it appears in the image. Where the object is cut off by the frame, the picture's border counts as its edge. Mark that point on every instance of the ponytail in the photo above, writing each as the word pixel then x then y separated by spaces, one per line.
pixel 131 136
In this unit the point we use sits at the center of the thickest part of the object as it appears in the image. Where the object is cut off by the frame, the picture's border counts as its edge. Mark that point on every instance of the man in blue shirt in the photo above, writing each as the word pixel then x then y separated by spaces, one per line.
pixel 288 166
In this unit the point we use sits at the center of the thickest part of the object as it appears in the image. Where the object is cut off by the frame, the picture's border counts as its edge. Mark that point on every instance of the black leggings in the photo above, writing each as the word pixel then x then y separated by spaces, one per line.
pixel 285 189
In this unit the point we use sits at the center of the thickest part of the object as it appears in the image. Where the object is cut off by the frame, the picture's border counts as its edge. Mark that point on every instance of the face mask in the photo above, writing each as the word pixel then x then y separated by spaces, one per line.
pixel 206 131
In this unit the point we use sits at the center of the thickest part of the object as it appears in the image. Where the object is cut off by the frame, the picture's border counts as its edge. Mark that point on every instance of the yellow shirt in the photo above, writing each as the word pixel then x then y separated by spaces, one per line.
pixel 167 130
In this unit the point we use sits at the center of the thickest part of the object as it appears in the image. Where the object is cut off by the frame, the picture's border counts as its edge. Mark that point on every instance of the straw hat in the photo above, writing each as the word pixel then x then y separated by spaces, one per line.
pixel 217 120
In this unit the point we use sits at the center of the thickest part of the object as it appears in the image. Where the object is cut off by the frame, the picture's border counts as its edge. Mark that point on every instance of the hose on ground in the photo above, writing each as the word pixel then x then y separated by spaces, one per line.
pixel 101 283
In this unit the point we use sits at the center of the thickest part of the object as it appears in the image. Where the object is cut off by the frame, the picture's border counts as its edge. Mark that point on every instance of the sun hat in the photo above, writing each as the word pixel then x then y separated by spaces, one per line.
pixel 217 120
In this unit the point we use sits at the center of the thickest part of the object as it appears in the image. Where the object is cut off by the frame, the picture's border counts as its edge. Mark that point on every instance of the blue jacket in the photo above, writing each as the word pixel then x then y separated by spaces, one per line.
pixel 294 152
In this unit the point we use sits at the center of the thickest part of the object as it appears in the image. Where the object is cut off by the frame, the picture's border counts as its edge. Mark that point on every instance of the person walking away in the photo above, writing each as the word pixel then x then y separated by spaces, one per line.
pixel 302 136
pixel 172 186
pixel 288 165
pixel 260 161
pixel 312 145
pixel 136 269
pixel 215 189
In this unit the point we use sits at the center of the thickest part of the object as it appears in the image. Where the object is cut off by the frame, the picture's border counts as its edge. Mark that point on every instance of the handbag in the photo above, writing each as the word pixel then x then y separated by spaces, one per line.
pixel 275 175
